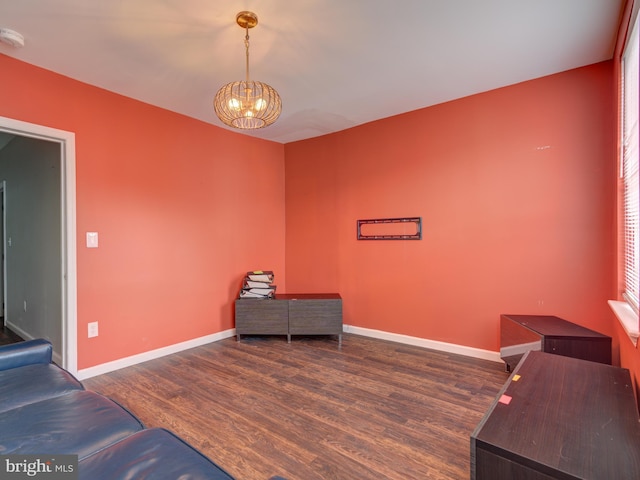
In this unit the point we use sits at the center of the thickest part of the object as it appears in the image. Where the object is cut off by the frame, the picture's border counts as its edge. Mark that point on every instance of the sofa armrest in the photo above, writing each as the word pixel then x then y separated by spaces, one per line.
pixel 24 353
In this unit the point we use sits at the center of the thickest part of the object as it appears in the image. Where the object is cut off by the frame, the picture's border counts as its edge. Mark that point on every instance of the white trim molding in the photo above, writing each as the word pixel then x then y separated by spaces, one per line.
pixel 628 318
pixel 365 332
pixel 521 349
pixel 425 343
pixel 153 354
pixel 67 141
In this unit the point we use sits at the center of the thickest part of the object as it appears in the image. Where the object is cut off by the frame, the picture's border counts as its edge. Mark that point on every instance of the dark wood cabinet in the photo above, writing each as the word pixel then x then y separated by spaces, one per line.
pixel 311 314
pixel 521 333
pixel 290 314
pixel 261 317
pixel 559 418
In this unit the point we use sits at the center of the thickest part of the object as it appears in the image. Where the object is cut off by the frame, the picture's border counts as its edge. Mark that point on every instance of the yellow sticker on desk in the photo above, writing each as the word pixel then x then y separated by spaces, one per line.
pixel 516 378
pixel 258 272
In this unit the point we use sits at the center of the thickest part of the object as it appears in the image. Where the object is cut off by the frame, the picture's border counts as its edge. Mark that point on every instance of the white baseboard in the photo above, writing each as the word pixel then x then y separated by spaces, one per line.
pixel 425 343
pixel 55 356
pixel 365 332
pixel 153 354
pixel 520 349
pixel 18 331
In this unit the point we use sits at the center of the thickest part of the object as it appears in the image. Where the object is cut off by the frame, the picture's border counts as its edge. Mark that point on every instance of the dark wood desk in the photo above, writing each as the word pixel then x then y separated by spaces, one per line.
pixel 521 333
pixel 559 418
pixel 315 314
pixel 290 314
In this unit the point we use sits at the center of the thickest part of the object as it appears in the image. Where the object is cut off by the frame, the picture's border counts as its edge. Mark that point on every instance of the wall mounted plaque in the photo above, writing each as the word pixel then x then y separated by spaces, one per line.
pixel 405 228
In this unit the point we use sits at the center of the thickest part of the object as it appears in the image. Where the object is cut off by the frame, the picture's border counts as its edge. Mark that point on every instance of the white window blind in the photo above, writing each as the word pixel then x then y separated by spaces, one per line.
pixel 630 168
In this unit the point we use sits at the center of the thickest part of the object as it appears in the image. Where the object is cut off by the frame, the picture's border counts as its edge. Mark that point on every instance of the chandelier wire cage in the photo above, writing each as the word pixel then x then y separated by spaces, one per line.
pixel 247 104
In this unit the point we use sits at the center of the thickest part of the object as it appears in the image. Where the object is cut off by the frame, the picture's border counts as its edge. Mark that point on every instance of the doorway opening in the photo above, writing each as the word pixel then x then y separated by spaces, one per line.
pixel 66 142
pixel 3 252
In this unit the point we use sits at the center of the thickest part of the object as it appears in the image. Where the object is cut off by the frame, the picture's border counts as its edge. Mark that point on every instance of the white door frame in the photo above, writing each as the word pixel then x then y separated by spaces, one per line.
pixel 67 141
pixel 3 252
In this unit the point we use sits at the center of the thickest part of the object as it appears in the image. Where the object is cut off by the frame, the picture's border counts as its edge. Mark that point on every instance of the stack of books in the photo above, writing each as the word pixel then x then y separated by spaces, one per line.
pixel 258 284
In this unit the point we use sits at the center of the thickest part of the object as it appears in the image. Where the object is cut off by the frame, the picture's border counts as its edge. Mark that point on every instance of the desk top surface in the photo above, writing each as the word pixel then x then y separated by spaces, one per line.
pixel 550 326
pixel 297 296
pixel 557 413
pixel 308 296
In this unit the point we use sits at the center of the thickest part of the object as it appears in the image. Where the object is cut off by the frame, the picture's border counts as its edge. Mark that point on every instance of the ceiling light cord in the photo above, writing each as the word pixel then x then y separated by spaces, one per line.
pixel 246 46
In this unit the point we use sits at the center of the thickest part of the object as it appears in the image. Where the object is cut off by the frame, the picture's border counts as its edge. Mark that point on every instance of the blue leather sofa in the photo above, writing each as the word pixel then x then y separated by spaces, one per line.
pixel 45 410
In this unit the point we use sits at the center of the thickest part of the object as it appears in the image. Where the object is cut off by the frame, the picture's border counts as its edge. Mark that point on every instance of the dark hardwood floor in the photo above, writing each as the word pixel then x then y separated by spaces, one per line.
pixel 7 336
pixel 308 410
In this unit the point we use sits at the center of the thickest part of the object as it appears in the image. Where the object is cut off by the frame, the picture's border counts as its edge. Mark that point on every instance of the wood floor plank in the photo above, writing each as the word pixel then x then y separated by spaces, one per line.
pixel 310 410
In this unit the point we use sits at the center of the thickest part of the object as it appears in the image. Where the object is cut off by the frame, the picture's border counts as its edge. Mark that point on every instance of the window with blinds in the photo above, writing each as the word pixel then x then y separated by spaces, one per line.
pixel 630 167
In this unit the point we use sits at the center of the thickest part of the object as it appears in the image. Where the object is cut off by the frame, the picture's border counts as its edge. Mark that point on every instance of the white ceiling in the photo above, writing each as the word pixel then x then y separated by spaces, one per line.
pixel 335 63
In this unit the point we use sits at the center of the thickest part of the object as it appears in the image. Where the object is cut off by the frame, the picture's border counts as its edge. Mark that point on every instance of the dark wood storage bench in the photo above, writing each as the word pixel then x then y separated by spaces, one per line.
pixel 559 418
pixel 290 314
pixel 521 333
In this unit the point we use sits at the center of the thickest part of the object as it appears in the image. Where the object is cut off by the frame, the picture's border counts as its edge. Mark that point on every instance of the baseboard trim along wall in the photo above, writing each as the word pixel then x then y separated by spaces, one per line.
pixel 153 354
pixel 425 343
pixel 365 332
pixel 56 356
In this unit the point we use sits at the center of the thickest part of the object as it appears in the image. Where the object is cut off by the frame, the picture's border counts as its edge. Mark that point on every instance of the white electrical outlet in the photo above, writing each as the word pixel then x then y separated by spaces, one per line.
pixel 93 329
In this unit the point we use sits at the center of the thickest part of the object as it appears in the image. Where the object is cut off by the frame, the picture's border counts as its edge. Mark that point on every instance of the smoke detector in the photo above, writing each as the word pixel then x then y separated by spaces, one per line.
pixel 11 37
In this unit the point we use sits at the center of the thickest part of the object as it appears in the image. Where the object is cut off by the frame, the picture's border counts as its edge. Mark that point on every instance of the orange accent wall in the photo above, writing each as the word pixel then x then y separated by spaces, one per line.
pixel 516 190
pixel 183 209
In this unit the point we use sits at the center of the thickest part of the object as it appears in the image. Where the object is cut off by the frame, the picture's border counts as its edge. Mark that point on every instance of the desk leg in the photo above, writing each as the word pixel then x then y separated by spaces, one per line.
pixel 288 338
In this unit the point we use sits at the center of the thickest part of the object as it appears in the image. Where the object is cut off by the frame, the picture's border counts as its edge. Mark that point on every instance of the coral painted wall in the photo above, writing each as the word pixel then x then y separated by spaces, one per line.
pixel 516 190
pixel 168 196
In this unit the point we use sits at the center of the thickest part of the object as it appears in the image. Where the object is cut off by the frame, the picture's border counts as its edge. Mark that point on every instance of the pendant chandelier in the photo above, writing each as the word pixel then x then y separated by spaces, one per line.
pixel 247 104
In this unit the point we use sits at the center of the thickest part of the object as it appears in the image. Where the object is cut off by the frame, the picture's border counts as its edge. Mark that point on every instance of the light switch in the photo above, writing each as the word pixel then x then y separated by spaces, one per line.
pixel 92 328
pixel 92 239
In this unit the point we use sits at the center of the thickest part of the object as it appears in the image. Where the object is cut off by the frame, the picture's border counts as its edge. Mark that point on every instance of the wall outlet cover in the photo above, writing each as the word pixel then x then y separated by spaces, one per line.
pixel 92 329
